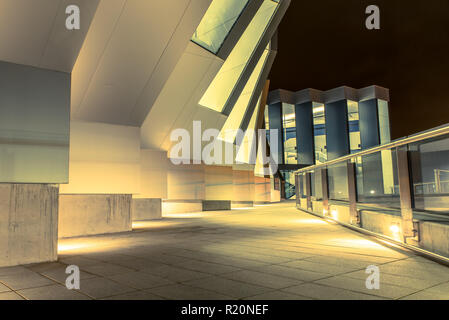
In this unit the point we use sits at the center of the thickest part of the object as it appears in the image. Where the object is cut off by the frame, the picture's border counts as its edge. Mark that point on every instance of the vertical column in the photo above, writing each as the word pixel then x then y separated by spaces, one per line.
pixel 308 185
pixel 297 191
pixel 304 133
pixel 405 193
pixel 325 190
pixel 352 193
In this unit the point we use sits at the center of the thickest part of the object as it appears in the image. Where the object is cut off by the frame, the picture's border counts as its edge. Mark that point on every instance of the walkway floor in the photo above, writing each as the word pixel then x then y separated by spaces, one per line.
pixel 269 252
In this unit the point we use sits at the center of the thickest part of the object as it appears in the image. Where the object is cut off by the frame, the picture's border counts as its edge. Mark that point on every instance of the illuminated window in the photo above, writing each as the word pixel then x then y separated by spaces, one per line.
pixel 228 132
pixel 217 23
pixel 289 131
pixel 354 126
pixel 222 86
pixel 319 132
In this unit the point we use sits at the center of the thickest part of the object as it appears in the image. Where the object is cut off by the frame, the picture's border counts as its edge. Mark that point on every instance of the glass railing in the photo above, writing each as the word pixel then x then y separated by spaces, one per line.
pixel 393 189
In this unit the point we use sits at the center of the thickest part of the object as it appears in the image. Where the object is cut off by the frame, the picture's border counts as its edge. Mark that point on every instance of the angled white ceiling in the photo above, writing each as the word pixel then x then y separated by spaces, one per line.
pixel 33 32
pixel 129 52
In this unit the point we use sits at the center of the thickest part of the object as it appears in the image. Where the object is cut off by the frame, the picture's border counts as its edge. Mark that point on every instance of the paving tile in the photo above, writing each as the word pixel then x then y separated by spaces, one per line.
pixel 101 288
pixel 319 267
pixel 385 290
pixel 175 274
pixel 228 287
pixel 403 281
pixel 137 295
pixel 79 261
pixel 277 295
pixel 25 280
pixel 105 269
pixel 262 279
pixel 427 295
pixel 138 263
pixel 59 275
pixel 10 296
pixel 298 274
pixel 6 271
pixel 206 267
pixel 184 292
pixel 139 280
pixel 4 288
pixel 41 267
pixel 320 292
pixel 54 292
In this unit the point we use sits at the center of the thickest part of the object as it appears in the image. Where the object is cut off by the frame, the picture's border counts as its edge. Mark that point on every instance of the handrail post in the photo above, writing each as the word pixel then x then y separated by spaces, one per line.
pixel 408 229
pixel 352 193
pixel 325 191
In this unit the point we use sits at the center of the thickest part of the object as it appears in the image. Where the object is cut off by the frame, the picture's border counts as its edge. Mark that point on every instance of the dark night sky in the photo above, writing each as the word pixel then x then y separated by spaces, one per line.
pixel 324 44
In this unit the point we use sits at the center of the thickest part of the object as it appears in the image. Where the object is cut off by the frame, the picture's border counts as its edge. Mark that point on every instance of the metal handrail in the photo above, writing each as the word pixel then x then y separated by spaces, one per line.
pixel 394 144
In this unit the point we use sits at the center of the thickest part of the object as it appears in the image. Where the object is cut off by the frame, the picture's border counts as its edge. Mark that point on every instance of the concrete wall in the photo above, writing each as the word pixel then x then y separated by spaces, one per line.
pixel 262 190
pixel 185 182
pixel 218 182
pixel 340 213
pixel 181 206
pixel 90 214
pixel 146 209
pixel 153 174
pixel 381 223
pixel 243 185
pixel 434 237
pixel 104 159
pixel 28 223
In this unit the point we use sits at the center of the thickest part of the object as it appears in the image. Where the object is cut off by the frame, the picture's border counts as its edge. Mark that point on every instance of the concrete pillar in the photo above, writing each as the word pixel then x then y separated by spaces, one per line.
pixel 147 205
pixel 243 186
pixel 91 214
pixel 219 189
pixel 262 190
pixel 146 209
pixel 185 188
pixel 28 223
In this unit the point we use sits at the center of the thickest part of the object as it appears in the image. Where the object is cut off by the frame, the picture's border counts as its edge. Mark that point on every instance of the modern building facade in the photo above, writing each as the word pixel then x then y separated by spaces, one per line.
pixel 87 116
pixel 318 126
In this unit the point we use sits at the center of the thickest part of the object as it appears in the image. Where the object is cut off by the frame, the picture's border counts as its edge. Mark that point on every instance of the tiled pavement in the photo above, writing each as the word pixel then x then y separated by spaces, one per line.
pixel 269 252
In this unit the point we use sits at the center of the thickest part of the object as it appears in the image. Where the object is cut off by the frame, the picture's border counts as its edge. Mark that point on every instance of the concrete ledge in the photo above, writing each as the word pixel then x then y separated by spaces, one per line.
pixel 181 206
pixel 434 236
pixel 381 223
pixel 28 223
pixel 216 205
pixel 92 214
pixel 340 213
pixel 261 202
pixel 146 209
pixel 242 204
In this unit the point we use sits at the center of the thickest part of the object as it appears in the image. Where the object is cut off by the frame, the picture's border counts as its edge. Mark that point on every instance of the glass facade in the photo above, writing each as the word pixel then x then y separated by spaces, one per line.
pixel 217 23
pixel 319 132
pixel 229 131
pixel 221 88
pixel 289 134
pixel 316 185
pixel 354 126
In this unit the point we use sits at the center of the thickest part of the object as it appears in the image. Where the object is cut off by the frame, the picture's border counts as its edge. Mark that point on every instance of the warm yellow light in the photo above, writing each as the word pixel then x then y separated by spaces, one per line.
pixel 372 192
pixel 395 228
pixel 324 212
pixel 334 214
